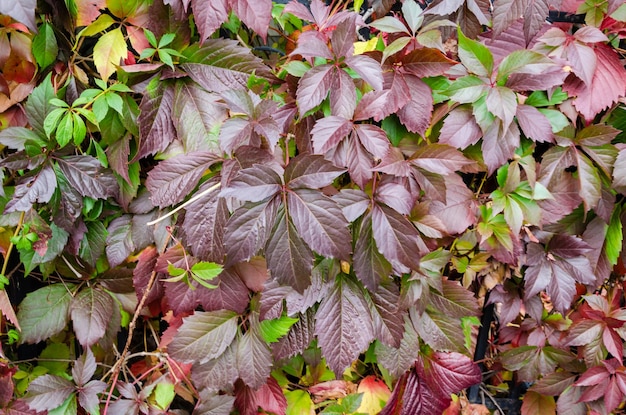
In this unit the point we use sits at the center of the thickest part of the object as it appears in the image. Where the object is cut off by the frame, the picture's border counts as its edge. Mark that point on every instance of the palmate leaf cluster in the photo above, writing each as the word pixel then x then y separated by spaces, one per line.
pixel 228 206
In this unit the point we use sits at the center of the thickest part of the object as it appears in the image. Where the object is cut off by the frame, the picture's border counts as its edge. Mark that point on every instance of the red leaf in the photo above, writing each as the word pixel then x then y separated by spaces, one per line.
pixel 396 237
pixel 367 68
pixel 209 16
pixel 270 397
pixel 411 395
pixel 534 124
pixel 415 115
pixel 499 144
pixel 607 85
pixel 314 86
pixel 424 62
pixel 328 132
pixel 254 184
pixel 342 95
pixel 448 373
pixel 534 403
pixel 460 129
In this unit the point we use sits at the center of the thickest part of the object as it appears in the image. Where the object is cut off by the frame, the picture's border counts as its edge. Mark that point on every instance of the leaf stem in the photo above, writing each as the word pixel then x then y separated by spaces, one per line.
pixel 5 264
pixel 193 199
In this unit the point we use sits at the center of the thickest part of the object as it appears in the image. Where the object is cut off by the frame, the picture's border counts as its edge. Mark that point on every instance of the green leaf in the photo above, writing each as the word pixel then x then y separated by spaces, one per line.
pixel 45 312
pixel 38 105
pixel 614 236
pixel 273 330
pixel 299 403
pixel 206 270
pixel 45 48
pixel 59 355
pixel 99 25
pixel 51 122
pixel 108 52
pixel 466 89
pixel 79 130
pixel 475 56
pixel 164 394
pixel 523 61
pixel 395 47
pixel 150 37
pixel 166 39
pixel 557 119
pixel 65 130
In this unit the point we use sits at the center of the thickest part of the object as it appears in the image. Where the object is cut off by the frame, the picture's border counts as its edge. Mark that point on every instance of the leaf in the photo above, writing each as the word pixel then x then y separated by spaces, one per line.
pixel 272 330
pixel 439 330
pixel 454 300
pixel 22 11
pixel 86 175
pixel 289 259
pixel 619 172
pixel 90 311
pixel 502 102
pixel 375 394
pixel 45 48
pixel 222 64
pixel 156 129
pixel 313 87
pixel 396 237
pixel 212 404
pixel 448 373
pixel 387 315
pixel 254 184
pixel 254 359
pixel 607 84
pixel 48 392
pixel 173 179
pixel 209 16
pixel 310 171
pixel 328 132
pixel 34 189
pixel 298 339
pixel 499 144
pixel 44 312
pixel 460 129
pixel 343 325
pixel 299 403
pixel 475 56
pixel 256 14
pixel 109 50
pixel 370 266
pixel 367 68
pixel 415 115
pixel 217 373
pixel 6 308
pixel 412 395
pixel 204 336
pixel 534 124
pixel 319 223
pixel 534 403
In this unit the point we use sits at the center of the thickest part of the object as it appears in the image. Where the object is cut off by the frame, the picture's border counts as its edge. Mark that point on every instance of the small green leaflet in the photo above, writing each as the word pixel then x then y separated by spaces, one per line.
pixel 273 330
pixel 614 236
pixel 202 272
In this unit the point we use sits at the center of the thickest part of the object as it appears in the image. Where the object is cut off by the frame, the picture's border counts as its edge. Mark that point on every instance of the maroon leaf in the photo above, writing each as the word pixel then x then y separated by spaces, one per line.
pixel 86 175
pixel 399 360
pixel 412 395
pixel 310 171
pixel 370 266
pixel 173 179
pixel 312 44
pixel 499 144
pixel 231 294
pixel 271 398
pixel 460 129
pixel 619 172
pixel 48 392
pixel 319 223
pixel 256 14
pixel 448 373
pixel 396 237
pixel 342 95
pixel 314 86
pixel 204 336
pixel 396 196
pixel 91 310
pixel 156 129
pixel 502 102
pixel 254 184
pixel 213 404
pixel 218 373
pixel 606 87
pixel 288 257
pixel 415 115
pixel 367 68
pixel 534 124
pixel 373 139
pixel 88 391
pixel 438 329
pixel 204 226
pixel 439 158
pixel 33 189
pixel 454 300
pixel 343 325
pixel 254 359
pixel 247 230
pixel 298 339
pixel 142 274
pixel 223 64
pixel 209 16
pixel 387 316
pixel 328 132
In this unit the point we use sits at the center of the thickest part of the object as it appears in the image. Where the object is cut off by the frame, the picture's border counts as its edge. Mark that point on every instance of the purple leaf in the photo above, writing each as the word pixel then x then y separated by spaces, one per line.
pixel 396 238
pixel 499 144
pixel 173 179
pixel 231 294
pixel 91 310
pixel 310 171
pixel 370 266
pixel 367 68
pixel 387 317
pixel 439 330
pixel 48 392
pixel 439 158
pixel 209 16
pixel 619 172
pixel 448 373
pixel 195 113
pixel 247 230
pixel 534 124
pixel 204 336
pixel 223 64
pixel 394 164
pixel 342 95
pixel 256 14
pixel 328 132
pixel 88 177
pixel 298 339
pixel 204 226
pixel 314 86
pixel 254 184
pixel 415 115
pixel 455 300
pixel 502 102
pixel 142 274
pixel 460 129
pixel 288 257
pixel 33 189
pixel 343 325
pixel 89 395
pixel 352 203
pixel 253 356
pixel 373 139
pixel 216 374
pixel 319 222
pixel 156 129
pixel 213 404
pixel 312 44
pixel 396 196
pixel 424 62
pixel 119 244
pixel 412 395
pixel 343 36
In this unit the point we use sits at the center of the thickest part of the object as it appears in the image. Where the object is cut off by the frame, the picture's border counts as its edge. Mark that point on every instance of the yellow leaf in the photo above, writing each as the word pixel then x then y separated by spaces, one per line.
pixel 375 395
pixel 108 52
pixel 362 47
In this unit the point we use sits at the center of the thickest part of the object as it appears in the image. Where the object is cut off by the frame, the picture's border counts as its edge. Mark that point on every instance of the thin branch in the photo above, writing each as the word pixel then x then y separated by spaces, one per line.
pixel 193 199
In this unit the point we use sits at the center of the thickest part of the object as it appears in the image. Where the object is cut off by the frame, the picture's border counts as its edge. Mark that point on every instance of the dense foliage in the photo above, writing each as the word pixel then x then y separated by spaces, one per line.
pixel 234 206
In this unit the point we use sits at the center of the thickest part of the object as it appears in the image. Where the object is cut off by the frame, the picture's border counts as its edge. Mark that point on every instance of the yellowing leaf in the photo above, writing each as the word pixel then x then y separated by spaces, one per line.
pixel 362 47
pixel 375 395
pixel 110 49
